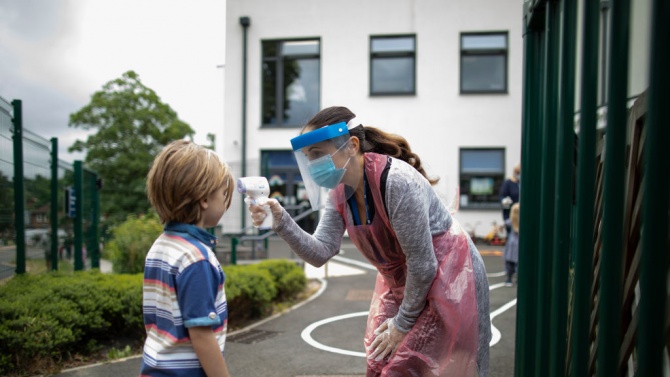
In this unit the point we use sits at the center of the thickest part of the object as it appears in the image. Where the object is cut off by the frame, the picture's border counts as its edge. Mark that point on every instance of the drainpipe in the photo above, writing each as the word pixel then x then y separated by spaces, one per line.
pixel 245 22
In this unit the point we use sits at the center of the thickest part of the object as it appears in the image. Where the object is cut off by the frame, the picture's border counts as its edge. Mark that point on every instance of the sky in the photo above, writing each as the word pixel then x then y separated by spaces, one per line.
pixel 54 54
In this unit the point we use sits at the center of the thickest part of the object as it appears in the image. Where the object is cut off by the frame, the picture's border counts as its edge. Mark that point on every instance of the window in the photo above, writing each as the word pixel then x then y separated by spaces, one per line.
pixel 482 174
pixel 484 62
pixel 392 65
pixel 291 82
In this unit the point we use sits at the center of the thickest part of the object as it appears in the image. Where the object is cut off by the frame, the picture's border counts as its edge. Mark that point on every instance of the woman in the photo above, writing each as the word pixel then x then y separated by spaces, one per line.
pixel 429 313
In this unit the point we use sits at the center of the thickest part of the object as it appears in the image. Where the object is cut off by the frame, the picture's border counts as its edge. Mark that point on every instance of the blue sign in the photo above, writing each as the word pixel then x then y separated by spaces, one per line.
pixel 71 202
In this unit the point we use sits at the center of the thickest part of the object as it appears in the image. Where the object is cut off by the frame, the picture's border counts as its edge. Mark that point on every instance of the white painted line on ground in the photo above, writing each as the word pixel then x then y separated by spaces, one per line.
pixel 307 334
pixel 496 286
pixel 307 337
pixel 496 274
pixel 495 333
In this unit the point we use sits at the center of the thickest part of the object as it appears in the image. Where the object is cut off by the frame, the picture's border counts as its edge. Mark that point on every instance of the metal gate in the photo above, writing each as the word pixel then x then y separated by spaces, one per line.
pixel 594 240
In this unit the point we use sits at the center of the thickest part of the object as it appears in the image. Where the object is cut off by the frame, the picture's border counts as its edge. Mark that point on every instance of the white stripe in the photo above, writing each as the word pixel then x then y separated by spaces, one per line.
pixel 495 333
pixel 307 337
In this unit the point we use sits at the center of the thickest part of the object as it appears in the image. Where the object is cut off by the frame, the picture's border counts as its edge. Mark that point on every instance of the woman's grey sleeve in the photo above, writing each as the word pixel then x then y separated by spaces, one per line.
pixel 408 212
pixel 314 249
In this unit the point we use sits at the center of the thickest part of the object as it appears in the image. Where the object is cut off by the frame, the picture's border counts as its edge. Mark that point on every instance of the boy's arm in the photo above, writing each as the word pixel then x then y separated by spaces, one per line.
pixel 207 349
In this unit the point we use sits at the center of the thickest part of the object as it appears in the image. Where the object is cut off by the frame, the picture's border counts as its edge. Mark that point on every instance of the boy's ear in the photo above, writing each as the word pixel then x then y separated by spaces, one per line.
pixel 204 203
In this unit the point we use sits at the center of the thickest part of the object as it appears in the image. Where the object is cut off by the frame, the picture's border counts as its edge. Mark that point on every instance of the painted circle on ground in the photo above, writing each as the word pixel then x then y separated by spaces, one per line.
pixel 307 334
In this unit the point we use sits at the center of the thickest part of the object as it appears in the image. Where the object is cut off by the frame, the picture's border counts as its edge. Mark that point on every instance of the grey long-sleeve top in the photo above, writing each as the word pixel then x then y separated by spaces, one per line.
pixel 411 203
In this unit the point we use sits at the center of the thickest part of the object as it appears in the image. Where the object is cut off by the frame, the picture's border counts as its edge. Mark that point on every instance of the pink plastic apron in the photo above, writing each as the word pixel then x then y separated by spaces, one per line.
pixel 444 339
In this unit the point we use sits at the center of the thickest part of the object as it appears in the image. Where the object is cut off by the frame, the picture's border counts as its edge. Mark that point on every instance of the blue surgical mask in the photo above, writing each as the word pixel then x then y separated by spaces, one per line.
pixel 324 173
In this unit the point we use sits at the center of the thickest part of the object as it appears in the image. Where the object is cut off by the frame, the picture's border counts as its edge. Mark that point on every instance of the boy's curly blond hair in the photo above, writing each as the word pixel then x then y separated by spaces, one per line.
pixel 182 174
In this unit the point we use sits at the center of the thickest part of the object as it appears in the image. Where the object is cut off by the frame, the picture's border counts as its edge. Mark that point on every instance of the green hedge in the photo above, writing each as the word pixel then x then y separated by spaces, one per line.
pixel 53 316
pixel 47 318
pixel 288 277
pixel 252 289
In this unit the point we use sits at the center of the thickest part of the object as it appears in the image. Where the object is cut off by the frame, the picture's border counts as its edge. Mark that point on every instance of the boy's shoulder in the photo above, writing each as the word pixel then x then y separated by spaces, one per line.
pixel 178 248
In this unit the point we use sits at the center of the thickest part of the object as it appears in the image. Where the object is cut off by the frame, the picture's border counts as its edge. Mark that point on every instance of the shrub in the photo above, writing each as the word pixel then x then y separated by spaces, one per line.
pixel 288 277
pixel 131 240
pixel 249 292
pixel 49 317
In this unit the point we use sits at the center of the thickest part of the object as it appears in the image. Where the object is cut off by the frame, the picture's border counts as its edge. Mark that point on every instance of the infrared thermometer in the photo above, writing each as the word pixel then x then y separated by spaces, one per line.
pixel 257 189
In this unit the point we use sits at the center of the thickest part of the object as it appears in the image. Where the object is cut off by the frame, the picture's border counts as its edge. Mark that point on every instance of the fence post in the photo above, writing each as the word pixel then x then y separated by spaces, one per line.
pixel 584 223
pixel 654 259
pixel 95 217
pixel 547 157
pixel 78 223
pixel 528 236
pixel 233 250
pixel 611 265
pixel 19 199
pixel 563 201
pixel 54 204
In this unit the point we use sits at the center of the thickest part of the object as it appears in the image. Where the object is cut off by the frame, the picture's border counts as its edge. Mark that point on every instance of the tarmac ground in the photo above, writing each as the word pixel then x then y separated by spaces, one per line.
pixel 323 336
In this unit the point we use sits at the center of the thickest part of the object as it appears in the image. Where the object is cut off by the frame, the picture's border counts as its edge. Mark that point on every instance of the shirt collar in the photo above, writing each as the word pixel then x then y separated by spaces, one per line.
pixel 192 230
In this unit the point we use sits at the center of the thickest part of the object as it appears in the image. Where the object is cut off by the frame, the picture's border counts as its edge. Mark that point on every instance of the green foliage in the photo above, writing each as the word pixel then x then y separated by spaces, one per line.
pixel 287 276
pixel 249 292
pixel 48 318
pixel 131 241
pixel 52 316
pixel 6 207
pixel 131 126
pixel 114 353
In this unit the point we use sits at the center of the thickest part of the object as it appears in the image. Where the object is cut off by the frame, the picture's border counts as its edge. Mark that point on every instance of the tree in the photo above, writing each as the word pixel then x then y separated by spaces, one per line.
pixel 131 126
pixel 6 208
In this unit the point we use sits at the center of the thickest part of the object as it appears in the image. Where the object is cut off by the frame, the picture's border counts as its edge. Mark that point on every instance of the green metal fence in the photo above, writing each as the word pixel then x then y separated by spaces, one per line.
pixel 594 246
pixel 34 219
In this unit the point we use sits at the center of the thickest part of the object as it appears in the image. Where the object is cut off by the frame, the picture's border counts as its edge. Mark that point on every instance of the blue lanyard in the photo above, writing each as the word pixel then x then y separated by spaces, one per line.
pixel 365 199
pixel 354 205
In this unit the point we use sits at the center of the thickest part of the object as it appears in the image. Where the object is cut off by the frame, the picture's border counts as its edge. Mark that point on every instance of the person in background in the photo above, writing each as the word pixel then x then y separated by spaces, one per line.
pixel 509 194
pixel 429 315
pixel 184 303
pixel 511 251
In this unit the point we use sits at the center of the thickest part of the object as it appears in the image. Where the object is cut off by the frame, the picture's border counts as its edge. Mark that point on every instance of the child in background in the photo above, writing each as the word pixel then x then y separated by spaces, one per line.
pixel 184 303
pixel 511 252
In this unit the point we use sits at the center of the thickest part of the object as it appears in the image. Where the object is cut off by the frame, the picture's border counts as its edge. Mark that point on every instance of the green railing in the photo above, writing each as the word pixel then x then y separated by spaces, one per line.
pixel 34 223
pixel 588 193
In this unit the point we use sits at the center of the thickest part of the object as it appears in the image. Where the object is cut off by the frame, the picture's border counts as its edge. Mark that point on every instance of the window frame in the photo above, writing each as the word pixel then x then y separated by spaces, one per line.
pixel 397 54
pixel 498 179
pixel 489 52
pixel 279 95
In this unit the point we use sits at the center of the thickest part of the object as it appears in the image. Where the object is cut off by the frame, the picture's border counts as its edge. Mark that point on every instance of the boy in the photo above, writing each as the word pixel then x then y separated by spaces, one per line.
pixel 185 310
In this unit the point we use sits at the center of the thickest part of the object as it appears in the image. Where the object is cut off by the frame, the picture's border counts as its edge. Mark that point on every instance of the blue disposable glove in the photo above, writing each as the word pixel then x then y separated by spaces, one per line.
pixel 387 340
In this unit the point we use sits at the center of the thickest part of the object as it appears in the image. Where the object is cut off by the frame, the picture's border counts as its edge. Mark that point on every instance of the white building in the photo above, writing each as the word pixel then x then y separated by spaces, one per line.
pixel 446 75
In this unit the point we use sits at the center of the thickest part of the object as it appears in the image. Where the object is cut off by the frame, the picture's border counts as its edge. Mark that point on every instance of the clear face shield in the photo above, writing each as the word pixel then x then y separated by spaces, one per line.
pixel 324 156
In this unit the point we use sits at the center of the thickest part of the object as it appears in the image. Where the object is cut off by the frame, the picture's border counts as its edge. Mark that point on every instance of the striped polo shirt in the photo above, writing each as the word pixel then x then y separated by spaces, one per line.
pixel 183 287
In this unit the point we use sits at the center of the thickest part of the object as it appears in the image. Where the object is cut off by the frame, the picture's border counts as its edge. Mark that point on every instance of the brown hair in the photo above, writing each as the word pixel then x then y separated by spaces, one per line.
pixel 371 139
pixel 182 174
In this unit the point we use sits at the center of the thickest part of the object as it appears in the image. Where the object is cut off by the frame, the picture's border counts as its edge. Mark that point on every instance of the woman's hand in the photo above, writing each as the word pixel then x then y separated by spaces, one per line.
pixel 387 339
pixel 259 213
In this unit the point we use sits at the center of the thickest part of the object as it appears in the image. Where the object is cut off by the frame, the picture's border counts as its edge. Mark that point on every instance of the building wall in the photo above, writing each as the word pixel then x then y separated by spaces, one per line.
pixel 437 121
